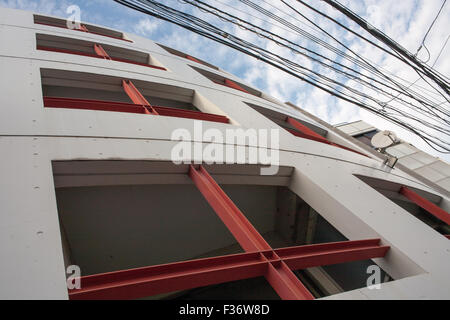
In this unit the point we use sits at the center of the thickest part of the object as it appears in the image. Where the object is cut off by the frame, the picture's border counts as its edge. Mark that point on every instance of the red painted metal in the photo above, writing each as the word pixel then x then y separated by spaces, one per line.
pixel 230 84
pixel 137 97
pixel 96 33
pixel 80 53
pixel 286 283
pixel 232 217
pixel 447 236
pixel 234 85
pixel 279 274
pixel 138 63
pixel 192 59
pixel 148 281
pixel 173 112
pixel 101 52
pixel 98 56
pixel 275 265
pixel 69 103
pixel 433 209
pixel 83 28
pixel 307 256
pixel 303 131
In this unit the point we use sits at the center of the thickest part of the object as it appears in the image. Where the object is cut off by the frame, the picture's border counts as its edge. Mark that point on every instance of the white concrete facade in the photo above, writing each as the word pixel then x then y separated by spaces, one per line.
pixel 31 137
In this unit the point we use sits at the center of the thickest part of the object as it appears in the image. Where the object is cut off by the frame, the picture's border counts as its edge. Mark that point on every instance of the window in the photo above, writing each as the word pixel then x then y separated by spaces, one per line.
pixel 421 204
pixel 187 212
pixel 227 82
pixel 219 79
pixel 366 137
pixel 79 90
pixel 299 128
pixel 62 23
pixel 186 56
pixel 91 49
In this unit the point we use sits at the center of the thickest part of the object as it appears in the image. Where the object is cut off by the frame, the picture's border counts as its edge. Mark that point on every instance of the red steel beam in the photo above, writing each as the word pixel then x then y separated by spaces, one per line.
pixel 174 112
pixel 192 59
pixel 234 85
pixel 232 217
pixel 304 129
pixel 307 133
pixel 83 28
pixel 315 255
pixel 54 102
pixel 280 277
pixel 69 103
pixel 101 52
pixel 80 53
pixel 136 96
pixel 429 206
pixel 148 281
pixel 274 265
pixel 230 84
pixel 138 63
pixel 286 283
pixel 96 33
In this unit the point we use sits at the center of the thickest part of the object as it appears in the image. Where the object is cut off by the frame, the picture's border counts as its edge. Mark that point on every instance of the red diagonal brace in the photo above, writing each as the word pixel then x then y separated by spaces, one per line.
pixel 137 97
pixel 280 277
pixel 101 52
pixel 307 133
pixel 232 217
pixel 304 129
pixel 234 85
pixel 436 211
pixel 192 59
pixel 286 283
pixel 83 28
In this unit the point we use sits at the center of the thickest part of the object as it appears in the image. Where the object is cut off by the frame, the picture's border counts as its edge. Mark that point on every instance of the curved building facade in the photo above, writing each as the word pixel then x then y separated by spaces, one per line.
pixel 157 175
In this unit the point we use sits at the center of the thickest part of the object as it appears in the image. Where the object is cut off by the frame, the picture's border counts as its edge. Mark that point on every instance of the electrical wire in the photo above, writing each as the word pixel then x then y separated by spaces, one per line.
pixel 318 80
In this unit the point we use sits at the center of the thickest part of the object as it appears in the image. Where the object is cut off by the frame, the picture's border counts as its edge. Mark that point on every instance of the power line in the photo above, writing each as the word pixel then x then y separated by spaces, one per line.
pixel 239 22
pixel 431 26
pixel 281 27
pixel 322 82
pixel 429 72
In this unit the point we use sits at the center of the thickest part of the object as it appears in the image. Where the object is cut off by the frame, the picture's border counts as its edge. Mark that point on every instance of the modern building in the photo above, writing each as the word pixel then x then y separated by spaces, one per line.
pixel 88 179
pixel 434 170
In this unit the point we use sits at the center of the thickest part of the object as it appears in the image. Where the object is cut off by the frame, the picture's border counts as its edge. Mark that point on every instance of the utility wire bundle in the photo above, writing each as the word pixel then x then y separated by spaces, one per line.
pixel 352 77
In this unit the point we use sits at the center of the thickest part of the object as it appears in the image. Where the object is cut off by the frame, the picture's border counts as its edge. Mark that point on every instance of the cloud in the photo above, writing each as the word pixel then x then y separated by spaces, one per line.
pixel 146 26
pixel 52 7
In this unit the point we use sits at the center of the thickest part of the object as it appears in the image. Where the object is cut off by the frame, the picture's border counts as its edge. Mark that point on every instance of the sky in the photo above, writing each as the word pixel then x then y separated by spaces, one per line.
pixel 405 21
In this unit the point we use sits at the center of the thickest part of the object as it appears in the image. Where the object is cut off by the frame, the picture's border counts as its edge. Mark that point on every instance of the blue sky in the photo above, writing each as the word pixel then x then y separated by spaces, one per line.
pixel 406 21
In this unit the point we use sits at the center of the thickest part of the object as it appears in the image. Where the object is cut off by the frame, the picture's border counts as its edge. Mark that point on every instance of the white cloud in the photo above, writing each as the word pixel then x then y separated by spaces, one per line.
pixel 52 7
pixel 146 26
